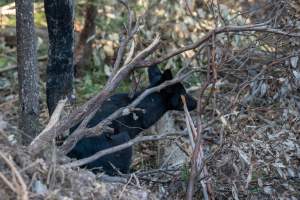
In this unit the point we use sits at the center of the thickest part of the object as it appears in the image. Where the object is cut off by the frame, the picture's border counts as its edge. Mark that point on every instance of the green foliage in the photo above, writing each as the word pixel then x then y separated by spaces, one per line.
pixel 40 18
pixel 6 56
pixel 185 173
pixel 3 59
pixel 111 25
pixel 3 62
pixel 89 86
pixel 4 2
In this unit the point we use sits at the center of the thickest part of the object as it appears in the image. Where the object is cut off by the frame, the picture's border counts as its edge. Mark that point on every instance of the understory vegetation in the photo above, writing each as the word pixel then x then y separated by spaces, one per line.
pixel 245 76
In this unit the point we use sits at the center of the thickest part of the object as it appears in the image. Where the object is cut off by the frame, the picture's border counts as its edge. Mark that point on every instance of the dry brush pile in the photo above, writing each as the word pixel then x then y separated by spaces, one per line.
pixel 243 140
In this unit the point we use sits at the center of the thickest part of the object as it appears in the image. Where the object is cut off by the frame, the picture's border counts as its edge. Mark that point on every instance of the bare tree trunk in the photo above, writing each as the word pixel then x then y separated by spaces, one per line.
pixel 84 49
pixel 27 70
pixel 59 14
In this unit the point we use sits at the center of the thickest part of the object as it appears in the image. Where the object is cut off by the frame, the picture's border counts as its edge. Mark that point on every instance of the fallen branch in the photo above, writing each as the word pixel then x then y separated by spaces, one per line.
pixel 99 128
pixel 114 149
pixel 52 122
pixel 12 67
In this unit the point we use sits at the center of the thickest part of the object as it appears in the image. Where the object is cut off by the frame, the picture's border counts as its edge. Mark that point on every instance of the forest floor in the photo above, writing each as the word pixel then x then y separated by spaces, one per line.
pixel 257 156
pixel 251 124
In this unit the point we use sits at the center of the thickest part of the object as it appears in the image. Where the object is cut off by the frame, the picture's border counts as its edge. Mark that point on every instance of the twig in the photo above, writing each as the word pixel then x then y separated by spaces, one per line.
pixel 125 38
pixel 120 147
pixel 53 166
pixel 191 136
pixel 188 8
pixel 52 122
pixel 130 53
pixel 197 161
pixel 249 177
pixel 8 68
pixel 38 161
pixel 226 29
pixel 125 186
pixel 24 192
pixel 9 184
pixel 112 179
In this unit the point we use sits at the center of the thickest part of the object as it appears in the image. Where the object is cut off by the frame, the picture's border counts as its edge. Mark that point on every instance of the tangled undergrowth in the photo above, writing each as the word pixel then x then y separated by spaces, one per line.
pixel 24 177
pixel 251 121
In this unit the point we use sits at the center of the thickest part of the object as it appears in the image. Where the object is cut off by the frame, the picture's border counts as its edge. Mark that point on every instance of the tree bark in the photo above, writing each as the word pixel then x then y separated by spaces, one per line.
pixel 84 49
pixel 27 70
pixel 60 70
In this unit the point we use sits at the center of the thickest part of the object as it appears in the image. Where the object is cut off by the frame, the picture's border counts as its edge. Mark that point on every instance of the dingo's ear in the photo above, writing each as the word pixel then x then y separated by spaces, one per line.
pixel 154 75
